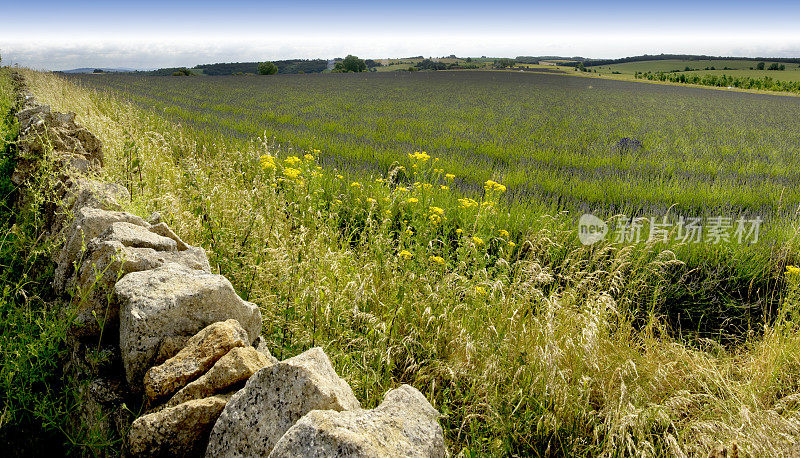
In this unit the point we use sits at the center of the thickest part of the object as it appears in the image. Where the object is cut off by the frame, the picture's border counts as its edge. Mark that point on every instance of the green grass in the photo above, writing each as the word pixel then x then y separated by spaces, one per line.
pixel 33 399
pixel 527 342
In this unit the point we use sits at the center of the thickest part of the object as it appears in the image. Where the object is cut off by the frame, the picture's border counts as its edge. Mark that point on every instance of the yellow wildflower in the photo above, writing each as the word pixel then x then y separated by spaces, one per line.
pixel 412 200
pixel 292 160
pixel 437 210
pixel 444 188
pixel 267 162
pixel 405 254
pixel 450 176
pixel 291 173
pixel 480 290
pixel 792 271
pixel 308 157
pixel 420 156
pixel 502 232
pixel 478 241
pixel 437 259
pixel 512 244
pixel 458 231
pixel 339 177
pixel 355 184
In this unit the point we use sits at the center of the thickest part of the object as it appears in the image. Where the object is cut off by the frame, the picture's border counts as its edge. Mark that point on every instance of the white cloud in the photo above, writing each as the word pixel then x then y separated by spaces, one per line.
pixel 54 53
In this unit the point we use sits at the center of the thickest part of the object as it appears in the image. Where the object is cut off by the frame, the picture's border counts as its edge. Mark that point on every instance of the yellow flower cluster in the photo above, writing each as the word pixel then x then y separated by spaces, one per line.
pixel 792 271
pixel 467 202
pixel 420 156
pixel 267 162
pixel 292 160
pixel 437 259
pixel 494 186
pixel 291 173
pixel 405 254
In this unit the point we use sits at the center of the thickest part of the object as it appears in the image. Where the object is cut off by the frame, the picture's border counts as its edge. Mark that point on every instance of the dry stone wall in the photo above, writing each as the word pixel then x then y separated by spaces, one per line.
pixel 154 331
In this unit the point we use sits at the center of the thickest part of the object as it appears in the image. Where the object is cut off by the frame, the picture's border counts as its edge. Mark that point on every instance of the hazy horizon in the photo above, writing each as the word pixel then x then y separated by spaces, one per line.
pixel 149 34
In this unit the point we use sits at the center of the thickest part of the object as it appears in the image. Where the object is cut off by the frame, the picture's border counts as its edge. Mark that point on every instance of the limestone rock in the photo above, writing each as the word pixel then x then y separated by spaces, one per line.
pixel 170 347
pixel 95 194
pixel 273 399
pixel 174 300
pixel 404 425
pixel 233 368
pixel 261 346
pixel 107 261
pixel 155 218
pixel 177 431
pixel 132 235
pixel 199 354
pixel 88 224
pixel 163 230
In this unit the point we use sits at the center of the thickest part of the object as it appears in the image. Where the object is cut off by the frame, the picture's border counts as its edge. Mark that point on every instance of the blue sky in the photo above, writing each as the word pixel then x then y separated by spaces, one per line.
pixel 148 34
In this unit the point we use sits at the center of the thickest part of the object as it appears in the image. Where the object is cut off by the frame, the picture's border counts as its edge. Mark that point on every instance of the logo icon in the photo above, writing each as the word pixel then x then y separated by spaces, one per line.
pixel 591 229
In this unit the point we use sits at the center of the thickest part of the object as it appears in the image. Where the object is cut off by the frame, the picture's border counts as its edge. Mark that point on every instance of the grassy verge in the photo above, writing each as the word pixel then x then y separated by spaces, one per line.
pixel 34 403
pixel 528 343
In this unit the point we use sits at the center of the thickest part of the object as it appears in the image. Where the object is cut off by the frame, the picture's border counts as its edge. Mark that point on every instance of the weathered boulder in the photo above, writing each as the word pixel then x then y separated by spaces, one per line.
pixel 174 300
pixel 260 344
pixel 105 262
pixel 404 425
pixel 233 368
pixel 169 347
pixel 43 130
pixel 132 235
pixel 273 399
pixel 177 431
pixel 163 230
pixel 199 354
pixel 88 224
pixel 87 192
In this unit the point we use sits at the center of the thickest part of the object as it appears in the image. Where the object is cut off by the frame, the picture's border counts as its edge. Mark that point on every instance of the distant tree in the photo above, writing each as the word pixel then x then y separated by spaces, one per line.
pixel 428 64
pixel 782 67
pixel 760 65
pixel 267 68
pixel 97 70
pixel 353 64
pixel 504 63
pixel 182 72
pixel 372 63
pixel 774 66
pixel 468 59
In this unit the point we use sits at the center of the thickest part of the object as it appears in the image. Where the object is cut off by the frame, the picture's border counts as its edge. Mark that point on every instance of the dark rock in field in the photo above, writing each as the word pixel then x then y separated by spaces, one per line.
pixel 627 145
